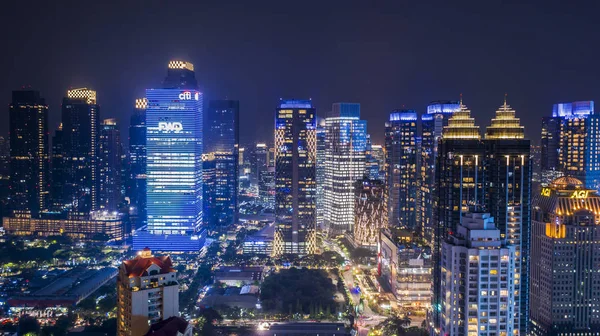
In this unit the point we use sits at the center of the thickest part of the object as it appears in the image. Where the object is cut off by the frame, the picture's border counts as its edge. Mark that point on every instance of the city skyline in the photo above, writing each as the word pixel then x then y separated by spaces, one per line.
pixel 391 72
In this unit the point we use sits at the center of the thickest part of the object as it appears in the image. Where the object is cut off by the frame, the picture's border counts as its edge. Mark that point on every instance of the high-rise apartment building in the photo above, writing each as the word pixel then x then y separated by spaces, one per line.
pixel 173 163
pixel 136 181
pixel 565 251
pixel 345 147
pixel 147 292
pixel 221 142
pixel 29 164
pixel 432 126
pixel 58 171
pixel 109 160
pixel 478 280
pixel 370 212
pixel 80 134
pixel 401 163
pixel 295 189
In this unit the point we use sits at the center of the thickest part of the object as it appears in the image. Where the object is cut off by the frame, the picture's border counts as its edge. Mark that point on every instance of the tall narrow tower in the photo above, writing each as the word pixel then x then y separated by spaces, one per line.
pixel 295 194
pixel 29 181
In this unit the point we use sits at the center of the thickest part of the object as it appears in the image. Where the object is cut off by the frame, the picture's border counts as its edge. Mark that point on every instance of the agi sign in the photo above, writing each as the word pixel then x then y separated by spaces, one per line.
pixel 164 126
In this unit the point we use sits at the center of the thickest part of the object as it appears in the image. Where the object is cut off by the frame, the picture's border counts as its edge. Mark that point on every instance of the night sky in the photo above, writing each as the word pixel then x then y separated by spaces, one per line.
pixel 381 54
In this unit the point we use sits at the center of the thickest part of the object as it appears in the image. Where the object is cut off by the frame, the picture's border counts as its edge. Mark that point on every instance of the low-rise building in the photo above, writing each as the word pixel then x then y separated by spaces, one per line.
pixel 238 276
pixel 96 225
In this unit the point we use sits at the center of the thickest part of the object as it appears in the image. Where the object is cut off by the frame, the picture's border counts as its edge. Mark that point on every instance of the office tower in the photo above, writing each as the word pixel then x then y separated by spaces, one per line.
pixel 81 123
pixel 565 248
pixel 477 280
pixel 432 126
pixel 271 157
pixel 110 195
pixel 370 211
pixel 295 190
pixel 372 167
pixel 460 185
pixel 266 187
pixel 221 142
pixel 320 173
pixel 58 175
pixel 173 163
pixel 147 292
pixel 508 196
pixel 401 164
pixel 378 153
pixel 28 124
pixel 261 160
pixel 580 141
pixel 4 176
pixel 345 146
pixel 136 184
pixel 569 143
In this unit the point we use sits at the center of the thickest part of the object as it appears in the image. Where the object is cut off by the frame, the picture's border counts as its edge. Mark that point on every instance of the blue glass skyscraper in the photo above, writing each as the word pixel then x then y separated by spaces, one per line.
pixel 173 163
pixel 221 142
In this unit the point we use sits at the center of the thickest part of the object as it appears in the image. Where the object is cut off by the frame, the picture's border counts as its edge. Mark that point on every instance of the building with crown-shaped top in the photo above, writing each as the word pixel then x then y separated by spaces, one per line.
pixel 508 171
pixel 492 175
pixel 565 250
pixel 147 292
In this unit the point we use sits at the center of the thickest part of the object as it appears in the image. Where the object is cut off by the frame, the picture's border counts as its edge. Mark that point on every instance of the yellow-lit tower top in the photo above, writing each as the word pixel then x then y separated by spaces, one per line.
pixel 86 94
pixel 461 125
pixel 505 125
pixel 141 103
pixel 181 65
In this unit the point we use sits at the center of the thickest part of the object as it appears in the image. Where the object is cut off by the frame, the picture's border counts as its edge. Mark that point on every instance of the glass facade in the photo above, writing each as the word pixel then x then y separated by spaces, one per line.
pixel 174 162
pixel 29 187
pixel 345 150
pixel 432 125
pixel 295 189
pixel 401 162
pixel 221 142
pixel 136 182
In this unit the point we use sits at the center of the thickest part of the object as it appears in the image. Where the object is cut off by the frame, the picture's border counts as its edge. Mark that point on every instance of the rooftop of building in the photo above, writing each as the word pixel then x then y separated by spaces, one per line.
pixel 169 327
pixel 139 265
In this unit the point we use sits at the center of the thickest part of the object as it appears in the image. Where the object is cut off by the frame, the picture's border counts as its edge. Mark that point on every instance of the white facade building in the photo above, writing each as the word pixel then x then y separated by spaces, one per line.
pixel 147 292
pixel 478 280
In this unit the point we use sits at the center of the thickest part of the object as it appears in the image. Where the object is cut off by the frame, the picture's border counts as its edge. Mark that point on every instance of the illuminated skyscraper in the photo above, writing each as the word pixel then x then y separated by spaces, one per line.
pixel 221 142
pixel 110 195
pixel 29 182
pixel 261 160
pixel 491 175
pixel 295 189
pixel 432 126
pixel 508 197
pixel 80 134
pixel 370 211
pixel 320 172
pixel 136 183
pixel 174 163
pixel 345 146
pixel 460 185
pixel 565 250
pixel 401 163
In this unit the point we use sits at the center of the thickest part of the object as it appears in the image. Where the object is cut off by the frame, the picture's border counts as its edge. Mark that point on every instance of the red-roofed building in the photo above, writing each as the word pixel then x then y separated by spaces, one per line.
pixel 147 291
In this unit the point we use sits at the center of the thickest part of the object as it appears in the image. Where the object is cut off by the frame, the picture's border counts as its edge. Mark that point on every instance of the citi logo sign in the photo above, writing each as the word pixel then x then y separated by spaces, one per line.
pixel 187 95
pixel 170 126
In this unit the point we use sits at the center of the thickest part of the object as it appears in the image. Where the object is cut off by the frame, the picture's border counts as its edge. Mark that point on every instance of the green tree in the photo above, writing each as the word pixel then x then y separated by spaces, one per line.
pixel 28 325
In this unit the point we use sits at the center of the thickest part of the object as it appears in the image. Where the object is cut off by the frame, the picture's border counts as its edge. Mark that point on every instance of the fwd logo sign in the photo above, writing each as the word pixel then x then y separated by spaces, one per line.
pixel 165 126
